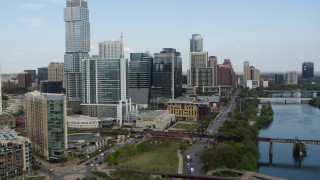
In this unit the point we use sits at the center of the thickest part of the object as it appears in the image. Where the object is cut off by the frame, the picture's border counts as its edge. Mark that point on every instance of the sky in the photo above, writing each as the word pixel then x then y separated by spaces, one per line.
pixel 273 35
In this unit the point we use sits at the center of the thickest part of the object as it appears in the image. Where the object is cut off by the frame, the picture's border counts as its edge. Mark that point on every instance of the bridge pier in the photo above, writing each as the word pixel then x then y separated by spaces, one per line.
pixel 285 101
pixel 270 159
pixel 271 148
pixel 300 149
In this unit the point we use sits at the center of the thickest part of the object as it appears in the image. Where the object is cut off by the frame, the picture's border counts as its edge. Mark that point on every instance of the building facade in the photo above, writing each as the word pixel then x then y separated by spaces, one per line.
pixel 46 124
pixel 15 154
pixel 24 80
pixel 226 75
pixel 111 49
pixel 196 43
pixel 280 79
pixel 156 120
pixel 104 88
pixel 250 73
pixel 51 87
pixel 77 34
pixel 166 74
pixel 307 73
pixel 56 71
pixel 139 78
pixel 33 75
pixel 292 77
pixel 42 74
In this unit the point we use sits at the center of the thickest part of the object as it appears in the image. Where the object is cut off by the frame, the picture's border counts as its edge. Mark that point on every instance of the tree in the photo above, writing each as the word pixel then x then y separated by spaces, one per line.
pixel 219 155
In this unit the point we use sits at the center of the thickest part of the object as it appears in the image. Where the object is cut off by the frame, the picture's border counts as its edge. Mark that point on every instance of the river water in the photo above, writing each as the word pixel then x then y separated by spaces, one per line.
pixel 292 121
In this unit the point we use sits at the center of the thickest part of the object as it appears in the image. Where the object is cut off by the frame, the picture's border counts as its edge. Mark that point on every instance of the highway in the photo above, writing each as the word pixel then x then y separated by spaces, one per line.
pixel 196 149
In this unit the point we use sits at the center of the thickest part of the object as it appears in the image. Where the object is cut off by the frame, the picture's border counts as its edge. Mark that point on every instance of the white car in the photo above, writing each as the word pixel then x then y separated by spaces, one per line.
pixel 92 165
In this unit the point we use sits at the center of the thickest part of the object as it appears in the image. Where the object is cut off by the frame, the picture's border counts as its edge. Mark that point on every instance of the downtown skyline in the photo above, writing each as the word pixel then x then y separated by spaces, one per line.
pixel 271 35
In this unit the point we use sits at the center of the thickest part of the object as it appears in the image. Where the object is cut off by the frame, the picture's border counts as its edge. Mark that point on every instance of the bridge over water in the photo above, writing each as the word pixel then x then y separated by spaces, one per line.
pixel 285 100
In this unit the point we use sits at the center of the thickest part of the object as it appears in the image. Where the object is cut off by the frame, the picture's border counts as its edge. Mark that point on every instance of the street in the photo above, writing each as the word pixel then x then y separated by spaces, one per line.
pixel 84 169
pixel 196 149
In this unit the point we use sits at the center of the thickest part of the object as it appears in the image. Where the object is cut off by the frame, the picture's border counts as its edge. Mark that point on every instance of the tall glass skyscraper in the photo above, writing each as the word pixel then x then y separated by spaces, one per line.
pixel 307 73
pixel 196 43
pixel 76 17
pixel 139 78
pixel 166 75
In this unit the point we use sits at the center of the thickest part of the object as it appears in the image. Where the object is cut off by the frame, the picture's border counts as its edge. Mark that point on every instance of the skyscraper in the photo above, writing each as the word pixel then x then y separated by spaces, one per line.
pixel 292 77
pixel 166 74
pixel 56 72
pixel 46 123
pixel 139 78
pixel 105 83
pixel 33 75
pixel 196 43
pixel 307 73
pixel 279 79
pixel 250 73
pixel 111 49
pixel 42 74
pixel 24 80
pixel 76 17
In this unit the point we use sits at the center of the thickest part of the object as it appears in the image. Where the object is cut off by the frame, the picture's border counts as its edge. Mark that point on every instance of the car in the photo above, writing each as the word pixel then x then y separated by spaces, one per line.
pixel 102 154
pixel 97 165
pixel 92 164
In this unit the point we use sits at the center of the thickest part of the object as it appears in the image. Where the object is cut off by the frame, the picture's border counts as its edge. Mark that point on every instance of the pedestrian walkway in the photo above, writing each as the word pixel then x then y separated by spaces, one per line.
pixel 180 167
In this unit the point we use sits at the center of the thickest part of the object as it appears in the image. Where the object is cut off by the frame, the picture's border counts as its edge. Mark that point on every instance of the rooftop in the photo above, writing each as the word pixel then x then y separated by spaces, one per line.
pixel 204 100
pixel 153 114
pixel 7 134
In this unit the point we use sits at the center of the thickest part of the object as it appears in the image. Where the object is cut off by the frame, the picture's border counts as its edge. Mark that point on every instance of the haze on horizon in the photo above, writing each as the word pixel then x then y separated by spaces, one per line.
pixel 273 35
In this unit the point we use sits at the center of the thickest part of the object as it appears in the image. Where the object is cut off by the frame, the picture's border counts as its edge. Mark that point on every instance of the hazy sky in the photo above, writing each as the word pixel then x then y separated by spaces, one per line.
pixel 274 35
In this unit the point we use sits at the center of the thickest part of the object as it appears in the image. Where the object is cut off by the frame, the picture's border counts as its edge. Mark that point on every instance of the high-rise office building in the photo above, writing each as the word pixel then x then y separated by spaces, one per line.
pixel 104 88
pixel 279 79
pixel 250 73
pixel 15 154
pixel 226 75
pixel 196 43
pixel 292 77
pixel 307 73
pixel 24 80
pixel 56 72
pixel 76 17
pixel 213 62
pixel 42 74
pixel 200 74
pixel 166 74
pixel 46 123
pixel 139 78
pixel 33 75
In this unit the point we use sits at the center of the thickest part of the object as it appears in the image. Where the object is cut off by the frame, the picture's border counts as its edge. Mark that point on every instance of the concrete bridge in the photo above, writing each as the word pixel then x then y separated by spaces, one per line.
pixel 285 100
pixel 291 91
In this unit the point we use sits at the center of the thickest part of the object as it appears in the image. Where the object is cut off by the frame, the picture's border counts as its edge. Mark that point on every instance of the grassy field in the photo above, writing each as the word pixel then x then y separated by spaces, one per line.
pixel 162 158
pixel 190 127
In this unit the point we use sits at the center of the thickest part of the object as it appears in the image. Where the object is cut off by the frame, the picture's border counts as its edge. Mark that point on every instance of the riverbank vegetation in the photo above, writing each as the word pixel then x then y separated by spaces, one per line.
pixel 315 102
pixel 240 152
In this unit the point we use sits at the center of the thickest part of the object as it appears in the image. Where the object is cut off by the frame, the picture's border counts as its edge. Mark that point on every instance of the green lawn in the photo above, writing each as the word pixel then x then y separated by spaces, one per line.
pixel 186 126
pixel 162 158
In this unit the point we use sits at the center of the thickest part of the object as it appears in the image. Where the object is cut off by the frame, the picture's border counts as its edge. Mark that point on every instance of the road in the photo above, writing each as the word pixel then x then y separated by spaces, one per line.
pixel 84 169
pixel 195 150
